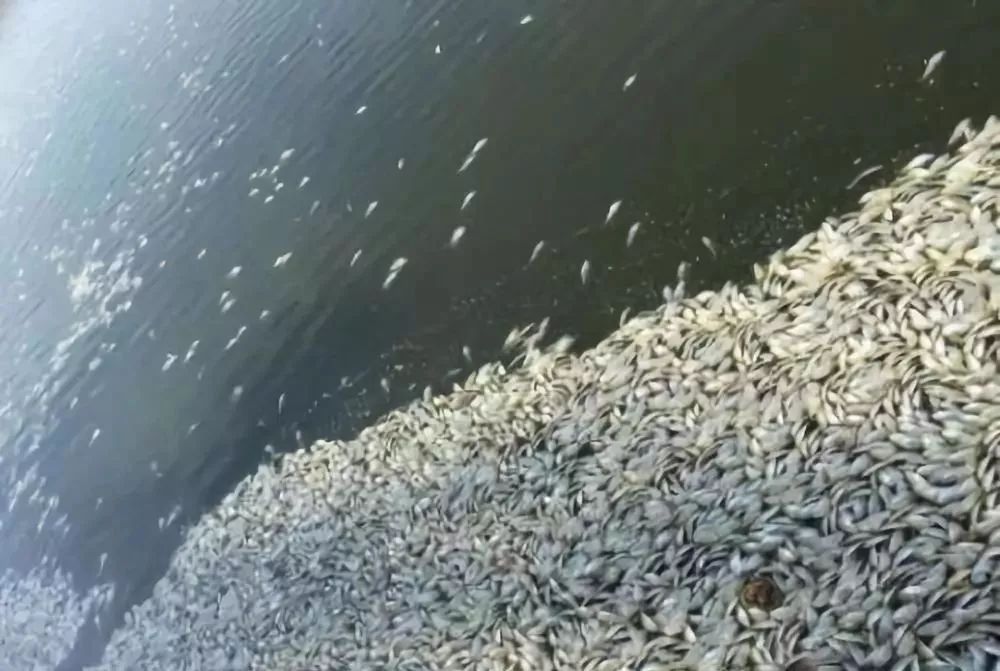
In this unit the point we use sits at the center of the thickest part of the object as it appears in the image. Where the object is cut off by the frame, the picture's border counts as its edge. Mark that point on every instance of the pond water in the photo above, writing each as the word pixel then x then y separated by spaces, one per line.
pixel 200 204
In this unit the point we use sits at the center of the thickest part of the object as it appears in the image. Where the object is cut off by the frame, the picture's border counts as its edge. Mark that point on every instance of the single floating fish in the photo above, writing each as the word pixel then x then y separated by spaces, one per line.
pixel 171 358
pixel 536 251
pixel 632 232
pixel 400 163
pixel 201 254
pixel 456 236
pixel 354 259
pixel 264 314
pixel 437 49
pixel 191 351
pixel 371 208
pixel 234 273
pixel 268 199
pixel 612 211
pixel 361 110
pixel 932 64
pixel 478 147
pixel 253 192
pixel 864 173
pixel 585 272
pixel 315 206
pixel 304 181
pixel 526 19
pixel 709 245
pixel 281 403
pixel 628 82
pixel 282 260
pixel 468 199
pixel 467 353
pixel 398 264
pixel 285 155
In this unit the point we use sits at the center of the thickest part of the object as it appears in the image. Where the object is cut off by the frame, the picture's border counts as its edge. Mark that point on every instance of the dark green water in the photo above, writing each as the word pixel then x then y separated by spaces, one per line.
pixel 129 133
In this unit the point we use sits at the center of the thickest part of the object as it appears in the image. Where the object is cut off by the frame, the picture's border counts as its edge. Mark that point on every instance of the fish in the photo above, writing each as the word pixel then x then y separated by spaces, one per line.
pixel 304 181
pixel 202 253
pixel 285 155
pixel 268 198
pixel 354 259
pixel 612 211
pixel 632 232
pixel 628 82
pixel 315 206
pixel 371 208
pixel 932 64
pixel 361 110
pixel 526 19
pixel 478 147
pixel 398 264
pixel 709 245
pixel 281 402
pixel 585 272
pixel 400 163
pixel 467 353
pixel 171 358
pixel 536 251
pixel 234 272
pixel 468 199
pixel 864 173
pixel 437 49
pixel 264 314
pixel 253 192
pixel 456 236
pixel 389 279
pixel 282 260
pixel 192 350
pixel 228 305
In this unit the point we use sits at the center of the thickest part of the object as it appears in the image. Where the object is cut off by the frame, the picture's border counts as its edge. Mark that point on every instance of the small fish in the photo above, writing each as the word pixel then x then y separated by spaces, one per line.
pixel 285 155
pixel 612 211
pixel 235 339
pixel 384 383
pixel 282 260
pixel 354 259
pixel 709 245
pixel 585 272
pixel 281 402
pixel 268 198
pixel 398 264
pixel 526 19
pixel 234 273
pixel 171 358
pixel 94 436
pixel 932 64
pixel 279 186
pixel 201 254
pixel 253 192
pixel 628 82
pixel 400 163
pixel 103 560
pixel 467 353
pixel 228 305
pixel 632 232
pixel 371 208
pixel 536 251
pixel 304 181
pixel 315 206
pixel 864 173
pixel 437 49
pixel 468 199
pixel 456 236
pixel 264 314
pixel 478 147
pixel 361 110
pixel 191 351
pixel 225 295
pixel 236 394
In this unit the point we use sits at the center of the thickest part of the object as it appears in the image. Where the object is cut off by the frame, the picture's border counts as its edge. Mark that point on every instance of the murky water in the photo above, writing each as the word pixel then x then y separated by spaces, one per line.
pixel 160 162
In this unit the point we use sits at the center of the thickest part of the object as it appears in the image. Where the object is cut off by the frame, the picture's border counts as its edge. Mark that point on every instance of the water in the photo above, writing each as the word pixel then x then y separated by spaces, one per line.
pixel 129 133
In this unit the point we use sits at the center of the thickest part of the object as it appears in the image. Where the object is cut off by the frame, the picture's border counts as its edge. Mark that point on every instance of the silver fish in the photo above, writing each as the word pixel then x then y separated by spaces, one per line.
pixel 371 208
pixel 932 64
pixel 585 272
pixel 632 232
pixel 628 82
pixel 536 251
pixel 456 236
pixel 354 259
pixel 468 199
pixel 612 211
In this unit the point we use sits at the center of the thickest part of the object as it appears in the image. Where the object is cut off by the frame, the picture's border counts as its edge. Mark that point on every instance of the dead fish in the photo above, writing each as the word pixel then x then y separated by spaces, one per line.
pixel 398 264
pixel 361 110
pixel 285 155
pixel 536 251
pixel 281 403
pixel 315 206
pixel 354 259
pixel 305 180
pixel 371 208
pixel 282 260
pixel 480 144
pixel 632 232
pixel 456 236
pixel 628 82
pixel 467 353
pixel 468 199
pixel 400 163
pixel 864 173
pixel 171 358
pixel 612 211
pixel 526 19
pixel 932 64
pixel 585 272
pixel 234 273
pixel 709 245
pixel 437 49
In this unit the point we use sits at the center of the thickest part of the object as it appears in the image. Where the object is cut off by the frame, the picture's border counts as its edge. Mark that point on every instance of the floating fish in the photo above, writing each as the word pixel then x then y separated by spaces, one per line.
pixel 632 232
pixel 361 110
pixel 437 49
pixel 264 314
pixel 285 155
pixel 932 64
pixel 456 236
pixel 281 402
pixel 398 264
pixel 253 192
pixel 371 208
pixel 612 211
pixel 282 260
pixel 628 82
pixel 864 173
pixel 526 19
pixel 268 199
pixel 234 272
pixel 303 181
pixel 467 353
pixel 225 295
pixel 468 199
pixel 585 272
pixel 478 147
pixel 94 436
pixel 171 358
pixel 315 206
pixel 236 394
pixel 191 351
pixel 400 163
pixel 354 259
pixel 536 251
pixel 709 245
pixel 201 254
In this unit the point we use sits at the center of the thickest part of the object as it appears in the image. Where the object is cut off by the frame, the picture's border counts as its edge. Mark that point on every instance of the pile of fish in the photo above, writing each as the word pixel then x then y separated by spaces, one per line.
pixel 39 617
pixel 797 474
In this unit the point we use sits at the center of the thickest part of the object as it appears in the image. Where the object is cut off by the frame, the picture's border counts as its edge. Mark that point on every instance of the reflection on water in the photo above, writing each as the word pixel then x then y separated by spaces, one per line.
pixel 149 150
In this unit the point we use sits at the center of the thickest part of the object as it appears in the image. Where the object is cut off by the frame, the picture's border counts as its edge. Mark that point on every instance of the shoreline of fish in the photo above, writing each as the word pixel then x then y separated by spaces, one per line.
pixel 801 473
